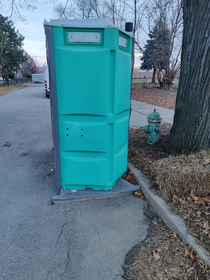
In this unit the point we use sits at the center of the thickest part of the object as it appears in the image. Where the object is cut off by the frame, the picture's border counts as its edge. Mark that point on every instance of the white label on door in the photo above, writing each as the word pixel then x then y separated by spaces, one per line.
pixel 84 37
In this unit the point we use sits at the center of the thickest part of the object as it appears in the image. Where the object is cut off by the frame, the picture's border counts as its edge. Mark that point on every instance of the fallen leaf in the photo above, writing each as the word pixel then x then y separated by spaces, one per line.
pixel 198 213
pixel 206 226
pixel 157 256
pixel 192 193
pixel 190 269
pixel 7 144
pixel 133 182
pixel 195 234
pixel 23 155
pixel 128 177
pixel 139 194
pixel 174 235
pixel 175 197
pixel 191 255
pixel 50 174
pixel 124 176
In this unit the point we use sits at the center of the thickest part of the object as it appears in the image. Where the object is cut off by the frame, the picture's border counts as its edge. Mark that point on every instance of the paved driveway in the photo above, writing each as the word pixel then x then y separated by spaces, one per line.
pixel 42 241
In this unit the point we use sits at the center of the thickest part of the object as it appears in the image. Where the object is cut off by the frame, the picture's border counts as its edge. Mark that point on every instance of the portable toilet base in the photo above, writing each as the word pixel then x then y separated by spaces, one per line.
pixel 121 188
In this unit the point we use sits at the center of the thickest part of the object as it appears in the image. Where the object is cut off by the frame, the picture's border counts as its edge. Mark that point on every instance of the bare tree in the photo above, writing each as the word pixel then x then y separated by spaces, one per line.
pixel 28 67
pixel 117 11
pixel 169 14
pixel 14 6
pixel 79 9
pixel 139 12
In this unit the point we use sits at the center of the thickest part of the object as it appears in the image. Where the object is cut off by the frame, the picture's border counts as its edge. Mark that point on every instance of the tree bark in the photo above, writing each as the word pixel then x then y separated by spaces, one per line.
pixel 7 81
pixel 153 76
pixel 191 128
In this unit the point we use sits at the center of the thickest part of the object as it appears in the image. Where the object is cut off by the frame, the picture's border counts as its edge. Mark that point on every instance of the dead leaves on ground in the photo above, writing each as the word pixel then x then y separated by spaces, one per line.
pixel 187 201
pixel 23 154
pixel 156 96
pixel 128 176
pixel 139 194
pixel 163 256
pixel 195 210
pixel 51 173
pixel 156 255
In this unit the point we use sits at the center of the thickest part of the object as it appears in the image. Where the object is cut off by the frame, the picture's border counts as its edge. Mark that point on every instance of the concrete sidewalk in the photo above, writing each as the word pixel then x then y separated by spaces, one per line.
pixel 140 112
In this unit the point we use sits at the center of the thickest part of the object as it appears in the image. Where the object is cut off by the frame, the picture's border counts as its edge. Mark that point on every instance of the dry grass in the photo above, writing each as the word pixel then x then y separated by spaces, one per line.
pixel 195 211
pixel 163 256
pixel 180 175
pixel 155 96
pixel 4 90
pixel 172 175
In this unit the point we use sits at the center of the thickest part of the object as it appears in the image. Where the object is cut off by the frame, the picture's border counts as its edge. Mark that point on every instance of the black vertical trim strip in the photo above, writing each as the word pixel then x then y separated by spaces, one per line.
pixel 53 101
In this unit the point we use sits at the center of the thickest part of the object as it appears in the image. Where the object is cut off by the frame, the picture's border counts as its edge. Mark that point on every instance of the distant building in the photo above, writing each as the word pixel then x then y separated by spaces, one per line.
pixel 138 74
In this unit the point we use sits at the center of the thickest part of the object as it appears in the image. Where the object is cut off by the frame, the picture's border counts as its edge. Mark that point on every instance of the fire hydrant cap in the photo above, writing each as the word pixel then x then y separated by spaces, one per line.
pixel 154 117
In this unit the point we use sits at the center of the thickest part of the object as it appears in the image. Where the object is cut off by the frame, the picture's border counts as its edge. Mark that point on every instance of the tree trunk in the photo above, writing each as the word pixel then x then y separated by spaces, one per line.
pixel 191 128
pixel 7 80
pixel 153 76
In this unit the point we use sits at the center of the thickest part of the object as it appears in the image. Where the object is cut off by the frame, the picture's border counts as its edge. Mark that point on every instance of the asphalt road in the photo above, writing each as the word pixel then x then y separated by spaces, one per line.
pixel 42 241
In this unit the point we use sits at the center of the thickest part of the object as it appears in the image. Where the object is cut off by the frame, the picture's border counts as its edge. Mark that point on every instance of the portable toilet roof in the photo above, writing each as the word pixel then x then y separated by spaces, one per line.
pixel 85 23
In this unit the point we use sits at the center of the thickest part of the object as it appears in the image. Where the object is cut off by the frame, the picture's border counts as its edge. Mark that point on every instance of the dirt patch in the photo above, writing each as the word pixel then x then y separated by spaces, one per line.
pixel 143 155
pixel 195 210
pixel 163 255
pixel 155 96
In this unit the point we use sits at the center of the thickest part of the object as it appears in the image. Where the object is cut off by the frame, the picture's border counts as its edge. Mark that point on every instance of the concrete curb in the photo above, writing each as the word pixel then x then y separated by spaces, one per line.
pixel 174 222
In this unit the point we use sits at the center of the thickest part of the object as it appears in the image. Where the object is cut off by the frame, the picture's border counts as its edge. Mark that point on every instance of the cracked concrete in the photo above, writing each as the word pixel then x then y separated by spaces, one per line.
pixel 40 241
pixel 62 228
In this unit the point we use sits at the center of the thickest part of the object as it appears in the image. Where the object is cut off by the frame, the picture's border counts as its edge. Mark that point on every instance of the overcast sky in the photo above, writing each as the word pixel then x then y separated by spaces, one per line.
pixel 33 30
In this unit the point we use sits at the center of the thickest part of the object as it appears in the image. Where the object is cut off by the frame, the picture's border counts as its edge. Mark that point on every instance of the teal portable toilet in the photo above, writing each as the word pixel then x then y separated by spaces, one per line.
pixel 90 64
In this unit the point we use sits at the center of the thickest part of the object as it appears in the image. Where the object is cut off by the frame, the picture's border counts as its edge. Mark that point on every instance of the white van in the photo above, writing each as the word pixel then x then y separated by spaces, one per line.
pixel 37 78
